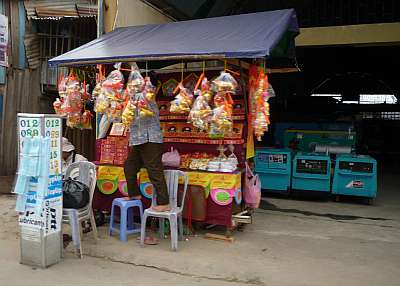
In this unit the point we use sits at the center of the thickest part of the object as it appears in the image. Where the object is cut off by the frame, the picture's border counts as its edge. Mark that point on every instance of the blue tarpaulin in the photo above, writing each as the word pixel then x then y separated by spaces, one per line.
pixel 241 36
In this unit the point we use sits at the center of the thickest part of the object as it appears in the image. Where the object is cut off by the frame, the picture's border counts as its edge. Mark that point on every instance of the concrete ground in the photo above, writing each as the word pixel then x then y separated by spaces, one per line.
pixel 291 242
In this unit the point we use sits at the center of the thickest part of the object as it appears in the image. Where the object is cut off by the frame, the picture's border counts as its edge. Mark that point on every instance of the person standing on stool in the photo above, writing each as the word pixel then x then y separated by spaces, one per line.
pixel 146 151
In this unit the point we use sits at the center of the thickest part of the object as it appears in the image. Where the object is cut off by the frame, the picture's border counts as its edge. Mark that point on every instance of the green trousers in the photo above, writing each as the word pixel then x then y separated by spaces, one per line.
pixel 147 156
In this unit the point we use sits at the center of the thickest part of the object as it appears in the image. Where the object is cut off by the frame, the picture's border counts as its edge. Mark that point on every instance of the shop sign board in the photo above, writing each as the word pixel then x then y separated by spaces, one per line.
pixel 41 231
pixel 50 217
pixel 3 40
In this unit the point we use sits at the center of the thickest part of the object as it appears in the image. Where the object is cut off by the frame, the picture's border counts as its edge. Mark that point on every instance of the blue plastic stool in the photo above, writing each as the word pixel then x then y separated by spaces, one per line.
pixel 126 226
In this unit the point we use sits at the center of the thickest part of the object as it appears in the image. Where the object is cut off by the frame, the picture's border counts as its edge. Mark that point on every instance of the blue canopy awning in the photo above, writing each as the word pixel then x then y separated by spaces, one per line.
pixel 253 35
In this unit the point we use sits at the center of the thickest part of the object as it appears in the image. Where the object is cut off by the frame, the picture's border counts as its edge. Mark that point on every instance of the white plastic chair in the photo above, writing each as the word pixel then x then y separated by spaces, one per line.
pixel 84 172
pixel 175 214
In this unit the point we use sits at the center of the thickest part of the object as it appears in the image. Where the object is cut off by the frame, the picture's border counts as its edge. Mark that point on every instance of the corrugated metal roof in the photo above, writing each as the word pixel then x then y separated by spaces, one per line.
pixel 55 9
pixel 32 47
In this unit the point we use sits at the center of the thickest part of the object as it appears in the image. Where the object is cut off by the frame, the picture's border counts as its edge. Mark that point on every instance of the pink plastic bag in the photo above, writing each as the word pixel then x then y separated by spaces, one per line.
pixel 252 189
pixel 171 158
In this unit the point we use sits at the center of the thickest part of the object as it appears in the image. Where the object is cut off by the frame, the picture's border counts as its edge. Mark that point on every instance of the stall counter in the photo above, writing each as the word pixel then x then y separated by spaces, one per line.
pixel 220 193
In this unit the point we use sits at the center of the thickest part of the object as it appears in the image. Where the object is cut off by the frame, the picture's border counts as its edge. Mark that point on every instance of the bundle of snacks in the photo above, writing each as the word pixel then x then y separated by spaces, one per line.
pixel 113 86
pixel 70 103
pixel 128 116
pixel 225 83
pixel 182 102
pixel 111 97
pixel 149 90
pixel 221 121
pixel 185 161
pixel 199 161
pixel 135 83
pixel 140 92
pixel 261 120
pixel 87 120
pixel 102 103
pixel 142 105
pixel 200 114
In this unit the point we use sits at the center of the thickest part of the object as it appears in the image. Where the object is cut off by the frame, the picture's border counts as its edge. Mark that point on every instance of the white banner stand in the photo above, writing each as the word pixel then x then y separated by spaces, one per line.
pixel 41 235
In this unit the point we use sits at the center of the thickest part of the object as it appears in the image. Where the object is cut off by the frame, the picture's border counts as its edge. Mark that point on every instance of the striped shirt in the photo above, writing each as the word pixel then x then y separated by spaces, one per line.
pixel 146 129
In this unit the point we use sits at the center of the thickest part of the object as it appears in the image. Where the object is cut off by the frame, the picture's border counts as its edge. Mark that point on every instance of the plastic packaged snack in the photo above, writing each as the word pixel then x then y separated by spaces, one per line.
pixel 128 115
pixel 200 114
pixel 102 103
pixel 71 101
pixel 136 83
pixel 225 82
pixel 86 120
pixel 221 121
pixel 74 120
pixel 182 102
pixel 149 90
pixel 262 94
pixel 57 105
pixel 113 86
pixel 206 89
pixel 97 90
pixel 111 97
pixel 142 105
pixel 62 86
pixel 115 110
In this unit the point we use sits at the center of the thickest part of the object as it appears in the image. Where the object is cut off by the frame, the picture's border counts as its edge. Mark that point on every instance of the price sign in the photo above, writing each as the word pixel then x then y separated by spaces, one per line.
pixel 52 130
pixel 28 127
pixel 49 219
pixel 53 204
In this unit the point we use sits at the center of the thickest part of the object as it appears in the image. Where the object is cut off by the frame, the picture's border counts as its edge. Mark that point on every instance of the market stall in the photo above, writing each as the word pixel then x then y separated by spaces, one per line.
pixel 212 104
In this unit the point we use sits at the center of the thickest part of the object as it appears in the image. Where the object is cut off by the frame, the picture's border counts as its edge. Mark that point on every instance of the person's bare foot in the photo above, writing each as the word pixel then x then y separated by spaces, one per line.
pixel 133 198
pixel 161 208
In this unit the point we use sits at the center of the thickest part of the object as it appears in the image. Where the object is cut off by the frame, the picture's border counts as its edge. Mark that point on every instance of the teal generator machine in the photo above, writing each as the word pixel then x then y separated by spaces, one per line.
pixel 355 175
pixel 311 172
pixel 274 167
pixel 306 140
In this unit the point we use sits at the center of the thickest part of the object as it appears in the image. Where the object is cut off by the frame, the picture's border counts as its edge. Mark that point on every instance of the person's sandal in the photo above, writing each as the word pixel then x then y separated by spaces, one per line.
pixel 149 240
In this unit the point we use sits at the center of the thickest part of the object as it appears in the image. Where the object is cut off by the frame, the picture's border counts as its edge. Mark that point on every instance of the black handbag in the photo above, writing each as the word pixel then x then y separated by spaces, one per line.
pixel 75 194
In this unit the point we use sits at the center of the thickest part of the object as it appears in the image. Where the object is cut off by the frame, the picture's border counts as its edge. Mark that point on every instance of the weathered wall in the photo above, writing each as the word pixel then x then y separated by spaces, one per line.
pixel 366 34
pixel 22 95
pixel 21 92
pixel 130 13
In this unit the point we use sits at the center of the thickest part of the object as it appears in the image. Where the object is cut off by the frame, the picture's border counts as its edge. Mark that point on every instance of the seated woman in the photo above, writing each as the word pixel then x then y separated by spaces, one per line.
pixel 69 155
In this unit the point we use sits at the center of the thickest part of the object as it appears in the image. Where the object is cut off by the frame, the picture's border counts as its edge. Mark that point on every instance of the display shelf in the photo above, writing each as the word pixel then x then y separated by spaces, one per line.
pixel 204 141
pixel 184 117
